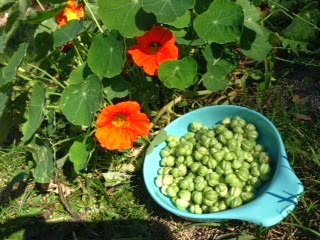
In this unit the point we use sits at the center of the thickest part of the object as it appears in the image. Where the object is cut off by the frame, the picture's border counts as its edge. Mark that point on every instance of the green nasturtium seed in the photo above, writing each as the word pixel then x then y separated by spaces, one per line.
pixel 213 169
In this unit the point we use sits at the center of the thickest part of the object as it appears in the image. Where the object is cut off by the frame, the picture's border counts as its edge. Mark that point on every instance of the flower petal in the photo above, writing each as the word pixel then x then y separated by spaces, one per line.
pixel 113 138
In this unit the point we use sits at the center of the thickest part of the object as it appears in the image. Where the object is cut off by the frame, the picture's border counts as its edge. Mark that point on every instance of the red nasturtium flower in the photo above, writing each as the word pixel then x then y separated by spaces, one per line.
pixel 153 48
pixel 71 12
pixel 120 125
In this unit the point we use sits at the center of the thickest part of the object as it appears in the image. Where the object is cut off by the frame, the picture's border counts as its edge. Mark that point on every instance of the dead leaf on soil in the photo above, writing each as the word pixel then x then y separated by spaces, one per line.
pixel 302 117
pixel 53 187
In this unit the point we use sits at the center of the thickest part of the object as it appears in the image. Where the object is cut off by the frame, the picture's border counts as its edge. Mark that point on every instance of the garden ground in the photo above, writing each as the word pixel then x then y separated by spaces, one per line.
pixel 88 207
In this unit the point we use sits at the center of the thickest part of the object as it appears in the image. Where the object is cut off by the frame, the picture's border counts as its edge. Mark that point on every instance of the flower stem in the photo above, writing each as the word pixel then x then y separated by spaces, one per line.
pixel 93 16
pixel 63 141
pixel 47 74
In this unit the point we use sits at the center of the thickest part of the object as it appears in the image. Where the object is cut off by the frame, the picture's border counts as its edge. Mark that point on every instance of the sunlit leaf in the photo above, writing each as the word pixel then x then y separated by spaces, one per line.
pixel 4 96
pixel 79 155
pixel 7 73
pixel 167 10
pixel 120 15
pixel 251 16
pixel 35 111
pixel 160 138
pixel 79 74
pixel 37 17
pixel 179 74
pixel 67 33
pixel 80 101
pixel 106 55
pixel 114 178
pixel 254 45
pixel 215 79
pixel 181 22
pixel 221 23
pixel 43 156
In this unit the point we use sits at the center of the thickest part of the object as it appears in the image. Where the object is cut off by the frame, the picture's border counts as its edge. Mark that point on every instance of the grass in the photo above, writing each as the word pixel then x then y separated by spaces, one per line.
pixel 126 211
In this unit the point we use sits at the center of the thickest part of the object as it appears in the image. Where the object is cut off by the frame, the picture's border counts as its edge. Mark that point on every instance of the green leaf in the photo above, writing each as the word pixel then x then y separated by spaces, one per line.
pixel 8 72
pixel 221 23
pixel 5 4
pixel 255 46
pixel 35 111
pixel 215 79
pixel 216 55
pixel 167 10
pixel 160 138
pixel 78 74
pixel 43 155
pixel 79 155
pixel 79 102
pixel 202 6
pixel 181 22
pixel 251 16
pixel 4 96
pixel 67 33
pixel 299 30
pixel 115 178
pixel 37 17
pixel 120 15
pixel 178 74
pixel 106 55
pixel 117 87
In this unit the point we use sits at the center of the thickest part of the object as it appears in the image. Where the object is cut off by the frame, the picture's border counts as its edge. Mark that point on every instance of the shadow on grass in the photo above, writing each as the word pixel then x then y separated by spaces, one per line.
pixel 33 227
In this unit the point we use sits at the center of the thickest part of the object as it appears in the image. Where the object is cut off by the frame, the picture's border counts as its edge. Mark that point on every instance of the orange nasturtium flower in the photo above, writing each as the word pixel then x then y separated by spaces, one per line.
pixel 71 12
pixel 120 125
pixel 153 48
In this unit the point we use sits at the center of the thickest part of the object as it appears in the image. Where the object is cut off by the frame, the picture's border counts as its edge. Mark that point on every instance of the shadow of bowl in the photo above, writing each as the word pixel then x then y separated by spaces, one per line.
pixel 275 199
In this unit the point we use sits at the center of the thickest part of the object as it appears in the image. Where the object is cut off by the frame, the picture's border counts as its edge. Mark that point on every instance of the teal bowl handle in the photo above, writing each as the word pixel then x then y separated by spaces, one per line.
pixel 279 198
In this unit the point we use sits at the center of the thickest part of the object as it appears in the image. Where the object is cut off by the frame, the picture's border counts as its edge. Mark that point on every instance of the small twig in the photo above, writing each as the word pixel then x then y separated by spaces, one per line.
pixel 168 106
pixel 64 202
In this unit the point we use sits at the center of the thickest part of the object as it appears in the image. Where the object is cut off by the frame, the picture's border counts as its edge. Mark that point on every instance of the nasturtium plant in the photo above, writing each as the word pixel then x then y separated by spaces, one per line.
pixel 167 10
pixel 80 78
pixel 221 23
pixel 79 102
pixel 120 15
pixel 179 74
pixel 110 48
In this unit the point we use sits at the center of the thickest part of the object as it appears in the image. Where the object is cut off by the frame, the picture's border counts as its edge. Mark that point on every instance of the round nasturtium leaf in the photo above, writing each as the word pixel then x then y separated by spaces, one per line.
pixel 120 15
pixel 221 23
pixel 167 10
pixel 80 101
pixel 251 16
pixel 179 74
pixel 215 79
pixel 255 46
pixel 106 55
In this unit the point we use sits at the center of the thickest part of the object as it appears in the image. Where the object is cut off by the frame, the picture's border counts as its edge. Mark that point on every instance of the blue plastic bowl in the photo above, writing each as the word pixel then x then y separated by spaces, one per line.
pixel 275 199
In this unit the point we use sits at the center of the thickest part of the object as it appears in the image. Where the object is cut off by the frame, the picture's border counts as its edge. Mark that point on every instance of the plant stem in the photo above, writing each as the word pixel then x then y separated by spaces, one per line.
pixel 40 5
pixel 47 74
pixel 54 93
pixel 296 15
pixel 168 106
pixel 52 106
pixel 93 16
pixel 78 53
pixel 63 141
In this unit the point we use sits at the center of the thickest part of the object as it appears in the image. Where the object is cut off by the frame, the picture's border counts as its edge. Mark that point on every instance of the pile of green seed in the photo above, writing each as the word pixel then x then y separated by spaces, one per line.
pixel 213 169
